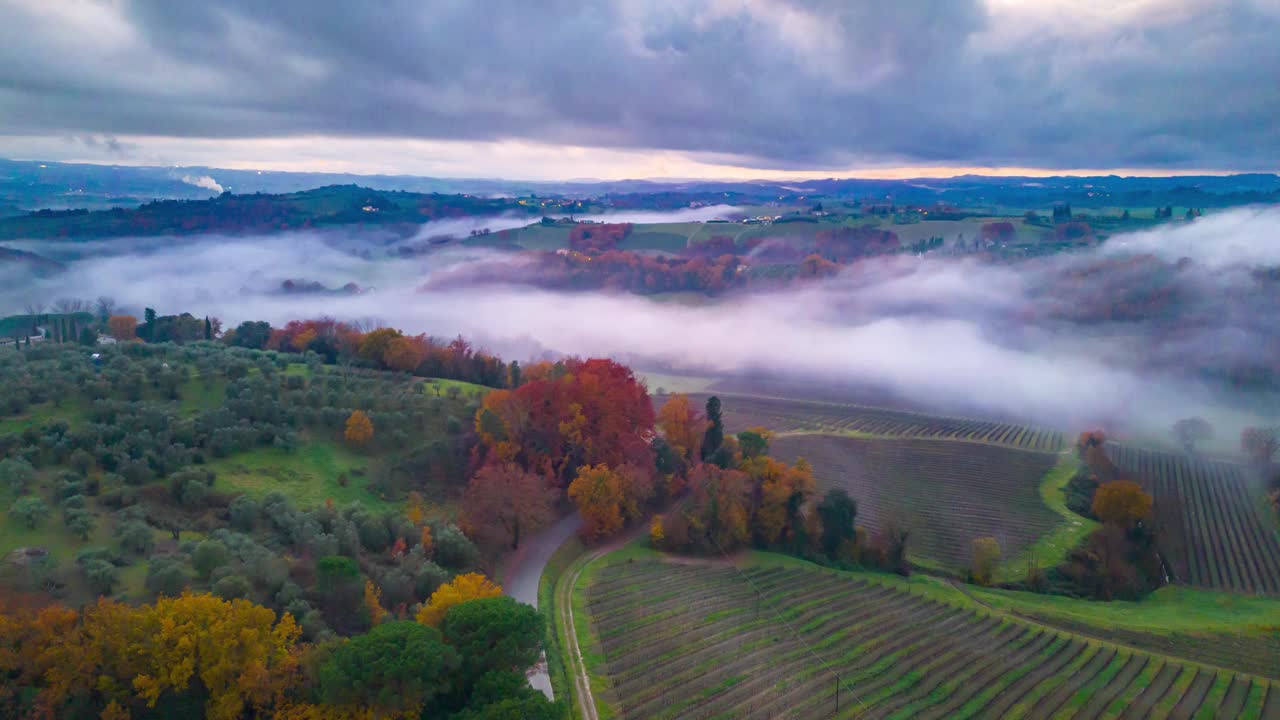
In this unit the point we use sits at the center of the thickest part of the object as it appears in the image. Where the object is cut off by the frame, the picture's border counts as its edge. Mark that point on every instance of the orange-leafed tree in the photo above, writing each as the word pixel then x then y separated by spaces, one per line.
pixel 373 603
pixel 1122 503
pixel 359 429
pixel 504 503
pixel 597 492
pixel 303 339
pixel 471 586
pixel 683 426
pixel 405 353
pixel 123 327
pixel 781 493
pixel 374 344
pixel 416 509
pixel 722 502
pixel 427 542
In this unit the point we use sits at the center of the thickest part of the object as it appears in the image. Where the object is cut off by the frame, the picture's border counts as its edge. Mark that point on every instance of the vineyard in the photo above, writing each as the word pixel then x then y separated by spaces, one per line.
pixel 1214 532
pixel 945 493
pixel 681 641
pixel 741 412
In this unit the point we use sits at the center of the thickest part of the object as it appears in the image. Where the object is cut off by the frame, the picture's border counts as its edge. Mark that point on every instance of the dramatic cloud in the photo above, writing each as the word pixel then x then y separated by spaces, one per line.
pixel 769 84
pixel 944 332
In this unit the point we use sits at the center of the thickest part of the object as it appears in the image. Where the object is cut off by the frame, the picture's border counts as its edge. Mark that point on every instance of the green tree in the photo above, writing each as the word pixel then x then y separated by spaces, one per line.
pixel 17 474
pixel 839 513
pixel 136 536
pixel 713 438
pixel 166 576
pixel 29 510
pixel 232 587
pixel 209 556
pixel 395 667
pixel 495 633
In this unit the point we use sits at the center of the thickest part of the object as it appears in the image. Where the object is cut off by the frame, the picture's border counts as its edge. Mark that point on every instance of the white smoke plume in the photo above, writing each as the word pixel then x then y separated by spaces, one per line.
pixel 203 181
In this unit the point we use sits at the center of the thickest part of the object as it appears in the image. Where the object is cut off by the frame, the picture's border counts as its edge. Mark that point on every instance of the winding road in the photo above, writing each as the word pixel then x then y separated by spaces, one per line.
pixel 522 573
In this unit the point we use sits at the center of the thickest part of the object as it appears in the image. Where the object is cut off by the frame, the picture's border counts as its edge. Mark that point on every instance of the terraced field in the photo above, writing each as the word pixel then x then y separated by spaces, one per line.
pixel 1215 532
pixel 684 641
pixel 946 493
pixel 741 412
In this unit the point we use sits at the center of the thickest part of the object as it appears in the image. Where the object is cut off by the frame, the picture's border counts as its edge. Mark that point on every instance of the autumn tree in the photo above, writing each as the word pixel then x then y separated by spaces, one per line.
pixel 470 586
pixel 404 353
pixel 683 427
pixel 597 492
pixel 984 557
pixel 374 344
pixel 503 503
pixel 359 429
pixel 123 327
pixel 373 603
pixel 236 650
pixel 578 412
pixel 1121 503
pixel 780 493
pixel 715 517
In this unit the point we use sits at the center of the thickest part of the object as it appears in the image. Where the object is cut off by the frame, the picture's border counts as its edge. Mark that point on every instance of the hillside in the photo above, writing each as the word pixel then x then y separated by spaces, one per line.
pixel 334 205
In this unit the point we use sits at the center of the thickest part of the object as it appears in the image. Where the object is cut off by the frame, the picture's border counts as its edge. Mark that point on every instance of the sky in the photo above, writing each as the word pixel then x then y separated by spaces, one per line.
pixel 611 89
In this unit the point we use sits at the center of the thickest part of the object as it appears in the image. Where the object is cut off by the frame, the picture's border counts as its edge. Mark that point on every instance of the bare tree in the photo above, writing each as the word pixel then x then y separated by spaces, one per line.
pixel 67 306
pixel 106 307
pixel 35 307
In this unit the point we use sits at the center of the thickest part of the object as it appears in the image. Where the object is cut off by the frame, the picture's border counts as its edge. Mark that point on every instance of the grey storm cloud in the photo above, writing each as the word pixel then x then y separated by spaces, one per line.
pixel 780 84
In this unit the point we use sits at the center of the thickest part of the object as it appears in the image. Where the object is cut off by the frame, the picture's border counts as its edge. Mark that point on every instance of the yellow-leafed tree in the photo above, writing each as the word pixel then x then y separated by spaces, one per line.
pixel 236 649
pixel 471 586
pixel 359 428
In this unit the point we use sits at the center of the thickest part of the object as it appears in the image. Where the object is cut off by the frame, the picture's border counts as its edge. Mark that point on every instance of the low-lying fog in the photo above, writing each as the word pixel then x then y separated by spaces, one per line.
pixel 1005 339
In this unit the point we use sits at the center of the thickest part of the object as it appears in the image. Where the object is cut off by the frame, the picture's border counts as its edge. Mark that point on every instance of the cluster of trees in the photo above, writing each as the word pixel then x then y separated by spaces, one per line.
pixel 636 272
pixel 380 348
pixel 731 494
pixel 577 429
pixel 135 462
pixel 597 237
pixel 846 244
pixel 1120 560
pixel 202 656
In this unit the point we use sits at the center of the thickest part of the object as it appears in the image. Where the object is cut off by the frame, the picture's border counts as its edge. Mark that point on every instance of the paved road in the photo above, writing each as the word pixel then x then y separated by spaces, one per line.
pixel 522 572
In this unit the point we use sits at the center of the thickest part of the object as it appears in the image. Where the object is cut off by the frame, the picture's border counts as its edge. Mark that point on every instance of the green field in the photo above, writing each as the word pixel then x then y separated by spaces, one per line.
pixel 772 634
pixel 309 475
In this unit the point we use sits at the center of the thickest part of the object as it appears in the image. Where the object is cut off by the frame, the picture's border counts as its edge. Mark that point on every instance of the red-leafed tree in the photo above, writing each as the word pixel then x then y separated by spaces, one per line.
pixel 504 503
pixel 585 412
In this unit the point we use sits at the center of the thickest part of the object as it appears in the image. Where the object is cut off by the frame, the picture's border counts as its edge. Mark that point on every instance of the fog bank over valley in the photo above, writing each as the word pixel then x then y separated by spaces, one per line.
pixel 1030 339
